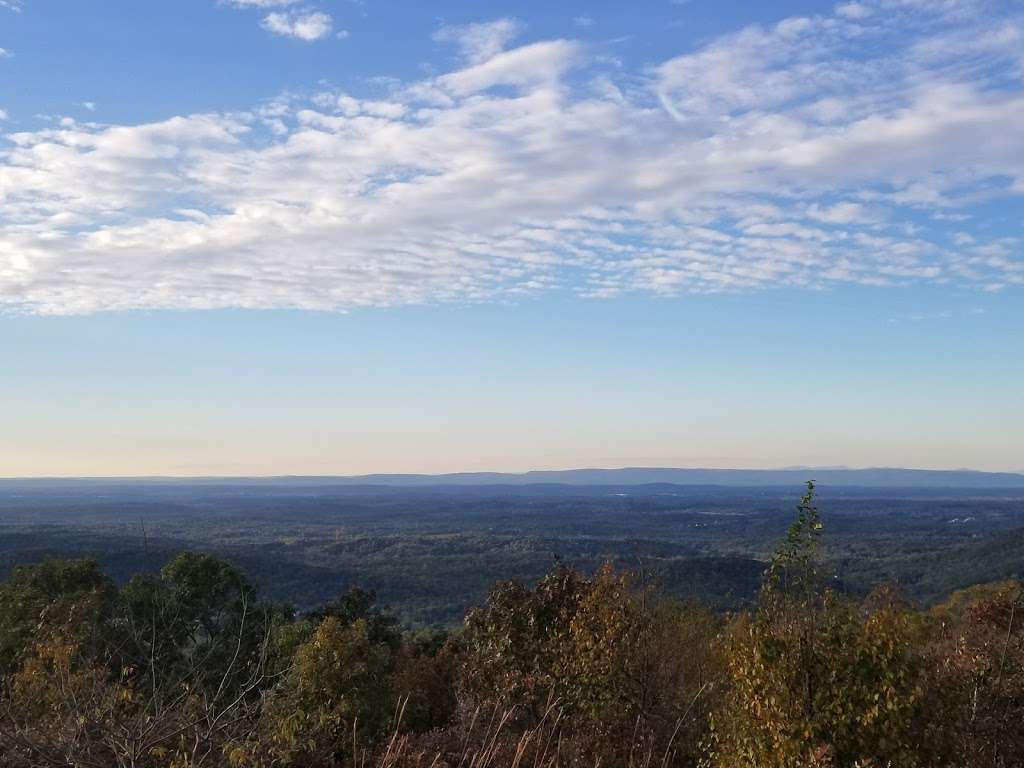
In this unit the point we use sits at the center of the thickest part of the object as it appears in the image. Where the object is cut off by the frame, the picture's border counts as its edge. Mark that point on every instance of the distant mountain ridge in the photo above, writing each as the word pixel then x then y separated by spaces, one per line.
pixel 881 477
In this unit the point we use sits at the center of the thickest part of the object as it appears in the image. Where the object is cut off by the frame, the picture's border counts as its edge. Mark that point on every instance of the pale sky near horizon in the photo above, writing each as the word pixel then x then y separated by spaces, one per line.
pixel 347 236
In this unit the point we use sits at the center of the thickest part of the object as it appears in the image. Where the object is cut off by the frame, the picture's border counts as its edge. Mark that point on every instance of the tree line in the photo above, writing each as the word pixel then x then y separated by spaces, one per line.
pixel 191 667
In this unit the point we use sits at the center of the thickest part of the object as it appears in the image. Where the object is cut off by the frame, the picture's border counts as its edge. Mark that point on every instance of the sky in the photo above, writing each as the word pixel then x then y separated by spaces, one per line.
pixel 265 237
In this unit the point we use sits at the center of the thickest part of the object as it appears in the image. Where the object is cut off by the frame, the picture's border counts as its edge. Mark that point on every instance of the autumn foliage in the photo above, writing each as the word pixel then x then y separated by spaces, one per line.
pixel 189 667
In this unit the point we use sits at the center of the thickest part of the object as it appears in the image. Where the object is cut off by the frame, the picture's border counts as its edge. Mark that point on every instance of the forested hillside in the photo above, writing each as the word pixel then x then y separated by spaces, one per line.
pixel 432 553
pixel 192 666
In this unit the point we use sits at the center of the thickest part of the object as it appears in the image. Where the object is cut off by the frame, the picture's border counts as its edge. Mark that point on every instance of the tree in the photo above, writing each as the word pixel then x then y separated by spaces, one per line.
pixel 73 596
pixel 793 572
pixel 333 703
pixel 165 673
pixel 977 655
pixel 359 604
pixel 515 641
pixel 816 680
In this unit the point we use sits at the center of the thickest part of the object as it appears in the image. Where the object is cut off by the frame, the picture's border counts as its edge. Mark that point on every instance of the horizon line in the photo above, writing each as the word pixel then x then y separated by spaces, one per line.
pixel 465 473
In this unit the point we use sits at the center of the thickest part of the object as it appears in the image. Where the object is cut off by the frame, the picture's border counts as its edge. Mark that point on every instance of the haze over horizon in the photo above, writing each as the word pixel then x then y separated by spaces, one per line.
pixel 907 477
pixel 265 237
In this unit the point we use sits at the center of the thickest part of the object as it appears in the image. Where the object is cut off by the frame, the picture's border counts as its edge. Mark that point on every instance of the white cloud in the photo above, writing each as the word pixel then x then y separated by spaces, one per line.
pixel 531 65
pixel 480 42
pixel 841 213
pixel 853 10
pixel 786 155
pixel 350 107
pixel 3 114
pixel 304 25
pixel 89 105
pixel 5 53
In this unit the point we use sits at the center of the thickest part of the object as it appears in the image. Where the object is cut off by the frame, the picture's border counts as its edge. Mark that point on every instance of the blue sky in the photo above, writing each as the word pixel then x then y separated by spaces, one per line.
pixel 268 237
